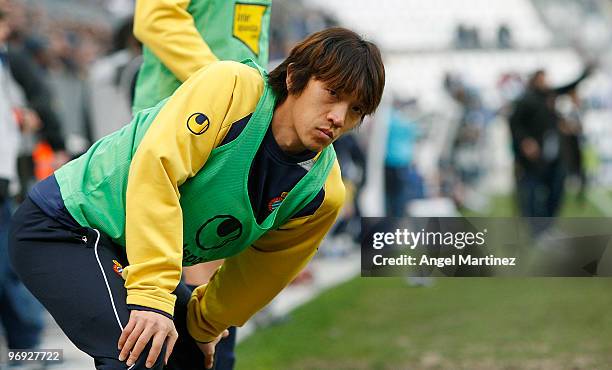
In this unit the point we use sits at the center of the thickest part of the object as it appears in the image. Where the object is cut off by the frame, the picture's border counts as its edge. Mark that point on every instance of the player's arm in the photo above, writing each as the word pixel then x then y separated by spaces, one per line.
pixel 565 89
pixel 167 28
pixel 247 282
pixel 167 156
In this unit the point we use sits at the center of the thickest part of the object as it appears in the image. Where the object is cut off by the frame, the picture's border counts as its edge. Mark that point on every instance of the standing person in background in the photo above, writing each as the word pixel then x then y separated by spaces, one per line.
pixel 112 81
pixel 180 37
pixel 402 181
pixel 47 143
pixel 570 110
pixel 535 129
pixel 20 313
pixel 352 161
pixel 49 139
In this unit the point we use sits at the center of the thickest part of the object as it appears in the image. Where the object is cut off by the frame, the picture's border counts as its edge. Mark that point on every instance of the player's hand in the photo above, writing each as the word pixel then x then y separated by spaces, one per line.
pixel 209 349
pixel 530 149
pixel 143 326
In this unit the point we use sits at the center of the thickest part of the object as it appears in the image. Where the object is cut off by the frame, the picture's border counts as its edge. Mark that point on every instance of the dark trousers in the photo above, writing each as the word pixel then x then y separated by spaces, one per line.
pixel 572 155
pixel 402 185
pixel 20 313
pixel 71 271
pixel 540 193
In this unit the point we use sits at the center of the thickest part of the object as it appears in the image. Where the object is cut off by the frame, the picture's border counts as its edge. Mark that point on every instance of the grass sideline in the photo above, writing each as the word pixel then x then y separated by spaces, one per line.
pixel 467 323
pixel 505 206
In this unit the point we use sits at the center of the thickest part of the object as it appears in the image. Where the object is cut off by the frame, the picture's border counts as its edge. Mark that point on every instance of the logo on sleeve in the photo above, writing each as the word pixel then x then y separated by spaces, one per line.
pixel 247 24
pixel 198 123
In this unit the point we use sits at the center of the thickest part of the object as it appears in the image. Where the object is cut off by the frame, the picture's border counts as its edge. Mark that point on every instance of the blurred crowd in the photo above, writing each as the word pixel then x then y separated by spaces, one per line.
pixel 468 37
pixel 49 61
pixel 545 132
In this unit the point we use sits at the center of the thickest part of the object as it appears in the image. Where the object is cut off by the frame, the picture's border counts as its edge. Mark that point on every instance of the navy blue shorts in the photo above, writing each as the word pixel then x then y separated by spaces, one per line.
pixel 71 270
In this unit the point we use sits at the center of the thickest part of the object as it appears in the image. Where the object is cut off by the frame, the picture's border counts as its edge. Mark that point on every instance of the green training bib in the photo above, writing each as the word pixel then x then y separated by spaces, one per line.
pixel 218 220
pixel 234 30
pixel 221 221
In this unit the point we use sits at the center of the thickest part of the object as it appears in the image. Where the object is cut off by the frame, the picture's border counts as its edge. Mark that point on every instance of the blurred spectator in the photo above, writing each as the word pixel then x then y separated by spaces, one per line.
pixel 47 144
pixel 67 72
pixel 467 37
pixel 32 79
pixel 352 164
pixel 20 313
pixel 462 37
pixel 504 37
pixel 535 129
pixel 112 81
pixel 290 22
pixel 465 158
pixel 570 110
pixel 52 54
pixel 510 87
pixel 402 181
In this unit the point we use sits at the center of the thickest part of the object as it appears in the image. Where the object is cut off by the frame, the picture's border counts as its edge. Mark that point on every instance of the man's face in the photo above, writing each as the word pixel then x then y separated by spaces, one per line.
pixel 321 115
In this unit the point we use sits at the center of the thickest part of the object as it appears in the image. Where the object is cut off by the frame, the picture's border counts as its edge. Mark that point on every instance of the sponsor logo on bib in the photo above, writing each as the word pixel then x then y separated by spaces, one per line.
pixel 218 232
pixel 248 19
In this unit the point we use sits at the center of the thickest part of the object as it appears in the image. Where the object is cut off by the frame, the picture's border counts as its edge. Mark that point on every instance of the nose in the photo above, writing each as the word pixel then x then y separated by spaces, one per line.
pixel 337 114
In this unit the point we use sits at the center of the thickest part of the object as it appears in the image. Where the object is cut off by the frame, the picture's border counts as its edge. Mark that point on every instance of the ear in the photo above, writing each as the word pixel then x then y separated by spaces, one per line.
pixel 289 77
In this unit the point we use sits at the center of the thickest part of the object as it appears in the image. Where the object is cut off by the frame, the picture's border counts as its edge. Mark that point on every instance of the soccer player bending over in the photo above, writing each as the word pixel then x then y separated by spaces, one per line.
pixel 236 164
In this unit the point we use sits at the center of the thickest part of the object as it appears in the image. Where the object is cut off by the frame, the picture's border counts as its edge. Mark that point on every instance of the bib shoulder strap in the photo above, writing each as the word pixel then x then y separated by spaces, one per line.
pixel 251 63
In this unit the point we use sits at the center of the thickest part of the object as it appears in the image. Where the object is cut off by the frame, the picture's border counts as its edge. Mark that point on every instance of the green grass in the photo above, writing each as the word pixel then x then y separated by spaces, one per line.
pixel 462 323
pixel 505 206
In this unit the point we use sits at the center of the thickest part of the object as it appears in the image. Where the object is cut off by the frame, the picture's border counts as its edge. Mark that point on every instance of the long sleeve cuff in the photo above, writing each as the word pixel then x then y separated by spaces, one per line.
pixel 136 307
pixel 156 303
pixel 201 329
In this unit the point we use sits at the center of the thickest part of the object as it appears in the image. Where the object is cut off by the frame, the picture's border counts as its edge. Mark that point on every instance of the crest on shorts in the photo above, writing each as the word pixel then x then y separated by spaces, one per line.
pixel 117 268
pixel 248 19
